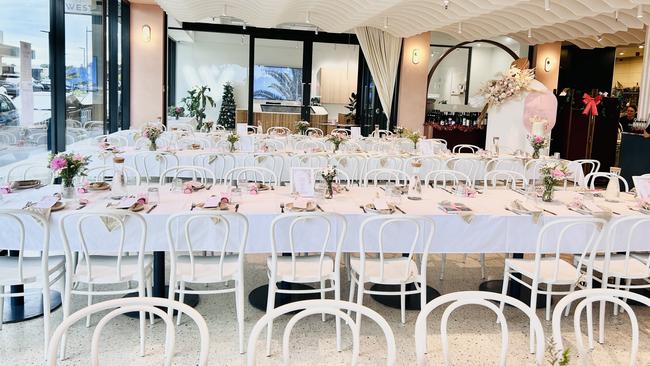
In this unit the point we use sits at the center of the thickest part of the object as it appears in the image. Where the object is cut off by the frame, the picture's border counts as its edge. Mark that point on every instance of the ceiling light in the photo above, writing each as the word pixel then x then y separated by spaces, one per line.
pixel 599 38
pixel 316 31
pixel 460 28
pixel 225 10
pixel 616 15
pixel 641 46
pixel 621 53
pixel 385 22
pixel 308 18
pixel 547 5
pixel 244 25
pixel 639 11
pixel 445 3
pixel 530 33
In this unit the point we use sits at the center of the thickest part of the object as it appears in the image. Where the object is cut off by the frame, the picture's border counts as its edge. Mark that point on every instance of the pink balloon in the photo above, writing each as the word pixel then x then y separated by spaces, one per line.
pixel 542 105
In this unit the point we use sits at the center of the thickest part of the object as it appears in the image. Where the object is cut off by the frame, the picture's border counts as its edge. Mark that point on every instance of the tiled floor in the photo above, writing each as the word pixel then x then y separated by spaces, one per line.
pixel 474 334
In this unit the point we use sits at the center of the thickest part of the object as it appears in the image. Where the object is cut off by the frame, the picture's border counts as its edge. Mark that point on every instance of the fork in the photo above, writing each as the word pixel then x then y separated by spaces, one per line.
pixel 282 207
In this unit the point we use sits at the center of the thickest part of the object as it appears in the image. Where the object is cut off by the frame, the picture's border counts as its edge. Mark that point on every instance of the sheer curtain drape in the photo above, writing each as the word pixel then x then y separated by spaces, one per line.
pixel 381 50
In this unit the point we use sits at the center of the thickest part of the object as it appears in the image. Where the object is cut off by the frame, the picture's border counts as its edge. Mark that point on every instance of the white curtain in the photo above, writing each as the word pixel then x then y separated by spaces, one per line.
pixel 381 50
pixel 644 96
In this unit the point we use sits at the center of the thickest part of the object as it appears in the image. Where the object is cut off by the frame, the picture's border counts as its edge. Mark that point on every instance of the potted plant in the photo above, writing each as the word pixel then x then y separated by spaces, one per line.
pixel 196 102
pixel 351 116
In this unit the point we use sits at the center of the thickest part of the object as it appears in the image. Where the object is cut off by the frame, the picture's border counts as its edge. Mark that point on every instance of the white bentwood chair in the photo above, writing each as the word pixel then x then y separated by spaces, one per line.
pixel 86 229
pixel 590 180
pixel 442 177
pixel 297 230
pixel 25 171
pixel 589 296
pixel 460 148
pixel 43 270
pixel 310 307
pixel 385 175
pixel 126 305
pixel 230 232
pixel 151 164
pixel 510 178
pixel 414 233
pixel 98 173
pixel 551 270
pixel 204 175
pixel 484 299
pixel 251 174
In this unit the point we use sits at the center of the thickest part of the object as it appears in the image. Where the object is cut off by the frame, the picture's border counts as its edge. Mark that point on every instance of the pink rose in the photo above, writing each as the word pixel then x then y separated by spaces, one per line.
pixel 58 163
pixel 83 201
pixel 538 139
pixel 188 190
pixel 78 157
pixel 557 173
pixel 6 189
pixel 82 190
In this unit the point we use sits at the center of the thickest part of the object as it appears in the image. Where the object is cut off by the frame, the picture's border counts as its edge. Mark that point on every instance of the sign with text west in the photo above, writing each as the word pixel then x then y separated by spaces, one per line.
pixel 85 7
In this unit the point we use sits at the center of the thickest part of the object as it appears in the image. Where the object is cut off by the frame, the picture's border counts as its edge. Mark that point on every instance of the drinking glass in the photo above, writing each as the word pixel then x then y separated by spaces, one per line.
pixel 153 195
pixel 177 185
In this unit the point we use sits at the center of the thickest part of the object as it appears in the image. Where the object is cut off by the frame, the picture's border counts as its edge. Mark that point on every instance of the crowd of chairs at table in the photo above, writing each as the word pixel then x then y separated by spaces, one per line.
pixel 86 273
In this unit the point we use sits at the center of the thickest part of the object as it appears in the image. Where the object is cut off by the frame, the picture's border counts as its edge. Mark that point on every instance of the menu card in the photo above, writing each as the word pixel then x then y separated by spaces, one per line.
pixel 47 202
pixel 303 181
pixel 355 132
pixel 642 185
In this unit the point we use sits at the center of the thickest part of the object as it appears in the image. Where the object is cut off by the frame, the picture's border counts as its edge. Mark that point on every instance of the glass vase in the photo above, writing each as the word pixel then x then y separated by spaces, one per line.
pixel 329 191
pixel 547 195
pixel 68 192
pixel 536 154
pixel 153 146
pixel 232 148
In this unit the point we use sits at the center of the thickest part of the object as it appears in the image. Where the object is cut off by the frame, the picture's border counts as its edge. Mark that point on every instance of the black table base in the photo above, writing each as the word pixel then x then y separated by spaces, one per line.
pixel 515 289
pixel 30 306
pixel 412 302
pixel 259 296
pixel 191 300
pixel 641 291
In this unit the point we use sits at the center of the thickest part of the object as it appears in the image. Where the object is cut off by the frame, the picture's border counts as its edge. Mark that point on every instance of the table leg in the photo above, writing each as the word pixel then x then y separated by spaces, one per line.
pixel 515 289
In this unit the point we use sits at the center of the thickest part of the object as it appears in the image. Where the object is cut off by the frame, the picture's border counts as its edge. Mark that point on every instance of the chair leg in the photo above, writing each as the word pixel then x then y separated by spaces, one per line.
pixel 567 311
pixel 46 315
pixel 352 290
pixel 628 283
pixel 590 325
pixel 67 294
pixel 90 302
pixel 442 265
pixel 143 317
pixel 360 302
pixel 533 305
pixel 181 298
pixel 150 294
pixel 549 290
pixel 504 289
pixel 322 295
pixel 617 286
pixel 337 297
pixel 482 259
pixel 239 305
pixel 601 323
pixel 402 302
pixel 2 305
pixel 270 305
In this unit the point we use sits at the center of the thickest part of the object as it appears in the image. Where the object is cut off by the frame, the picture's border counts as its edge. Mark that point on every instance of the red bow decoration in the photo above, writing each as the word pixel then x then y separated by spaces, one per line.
pixel 590 104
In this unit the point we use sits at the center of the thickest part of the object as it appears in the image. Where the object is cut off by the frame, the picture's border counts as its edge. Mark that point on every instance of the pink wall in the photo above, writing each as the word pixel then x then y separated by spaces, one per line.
pixel 413 83
pixel 147 60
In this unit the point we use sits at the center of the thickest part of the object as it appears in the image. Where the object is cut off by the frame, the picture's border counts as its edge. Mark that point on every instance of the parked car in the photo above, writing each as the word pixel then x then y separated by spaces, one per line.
pixel 11 83
pixel 8 113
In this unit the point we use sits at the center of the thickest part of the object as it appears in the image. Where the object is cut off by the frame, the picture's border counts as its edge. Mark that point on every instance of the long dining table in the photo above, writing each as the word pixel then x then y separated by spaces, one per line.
pixel 492 228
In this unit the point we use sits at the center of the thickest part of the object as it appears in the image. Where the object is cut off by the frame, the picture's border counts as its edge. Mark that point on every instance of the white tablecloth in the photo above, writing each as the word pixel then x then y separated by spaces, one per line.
pixel 493 229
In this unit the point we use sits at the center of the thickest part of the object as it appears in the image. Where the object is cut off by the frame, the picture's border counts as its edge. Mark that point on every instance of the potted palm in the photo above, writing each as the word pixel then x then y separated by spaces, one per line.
pixel 196 102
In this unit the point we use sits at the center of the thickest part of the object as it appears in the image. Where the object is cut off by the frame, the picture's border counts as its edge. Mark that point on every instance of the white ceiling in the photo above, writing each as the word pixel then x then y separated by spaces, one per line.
pixel 586 23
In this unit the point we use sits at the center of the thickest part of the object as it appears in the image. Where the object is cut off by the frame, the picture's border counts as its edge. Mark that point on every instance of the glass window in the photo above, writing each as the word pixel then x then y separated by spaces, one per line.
pixel 449 81
pixel 24 83
pixel 212 60
pixel 334 79
pixel 84 60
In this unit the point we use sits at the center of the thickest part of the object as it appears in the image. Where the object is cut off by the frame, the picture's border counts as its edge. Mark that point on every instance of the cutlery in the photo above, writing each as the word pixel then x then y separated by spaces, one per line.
pixel 346 188
pixel 193 206
pixel 550 212
pixel 446 190
pixel 28 204
pixel 208 187
pixel 399 209
pixel 320 208
pixel 152 207
pixel 513 211
pixel 237 207
pixel 382 188
pixel 282 207
pixel 363 209
pixel 81 206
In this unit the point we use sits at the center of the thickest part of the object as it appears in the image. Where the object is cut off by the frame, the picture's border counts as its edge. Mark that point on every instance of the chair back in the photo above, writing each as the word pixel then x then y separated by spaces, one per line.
pixel 590 179
pixel 218 164
pixel 505 163
pixel 25 171
pixel 351 164
pixel 384 161
pixel 271 145
pixel 7 138
pixel 182 127
pixel 630 231
pixel 337 308
pixel 154 305
pixel 508 177
pixel 444 176
pixel 185 232
pixel 292 228
pixel 381 133
pixel 309 160
pixel 19 225
pixel 98 173
pixel 532 170
pixel 482 298
pixel 386 175
pixel 252 130
pixel 372 236
pixel 278 130
pixel 314 132
pixel 224 146
pixel 465 148
pixel 204 175
pixel 187 142
pixel 85 227
pixel 251 174
pixel 310 145
pixel 115 140
pixel 341 130
pixel 589 296
pixel 271 161
pixel 151 164
pixel 422 165
pixel 471 166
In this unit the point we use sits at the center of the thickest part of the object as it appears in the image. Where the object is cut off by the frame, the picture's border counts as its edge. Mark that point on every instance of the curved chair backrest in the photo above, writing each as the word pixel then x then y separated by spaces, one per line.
pixel 482 298
pixel 134 304
pixel 505 163
pixel 115 140
pixel 218 127
pixel 205 175
pixel 252 130
pixel 469 165
pixel 182 127
pixel 251 174
pixel 25 171
pixel 386 161
pixel 383 146
pixel 314 132
pixel 588 297
pixel 629 232
pixel 310 145
pixel 350 147
pixel 388 175
pixel 272 161
pixel 230 235
pixel 381 133
pixel 83 228
pixel 39 138
pixel 224 146
pixel 422 165
pixel 310 307
pixel 465 148
pixel 219 164
pixel 151 164
pixel 271 145
pixel 98 173
pixel 508 177
pixel 414 231
pixel 441 141
pixel 309 160
pixel 291 229
pixel 590 179
pixel 187 142
pixel 532 170
pixel 444 176
pixel 17 226
pixel 351 164
pixel 342 177
pixel 341 130
pixel 73 123
pixel 278 130
pixel 592 165
pixel 7 138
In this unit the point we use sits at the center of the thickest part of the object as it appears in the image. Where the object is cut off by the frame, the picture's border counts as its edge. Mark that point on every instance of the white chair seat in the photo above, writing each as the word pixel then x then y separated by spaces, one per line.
pixel 306 268
pixel 635 268
pixel 104 269
pixel 206 269
pixel 31 269
pixel 394 269
pixel 566 273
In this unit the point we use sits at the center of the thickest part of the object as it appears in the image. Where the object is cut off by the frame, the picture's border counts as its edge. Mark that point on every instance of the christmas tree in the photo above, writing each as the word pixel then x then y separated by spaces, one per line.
pixel 227 112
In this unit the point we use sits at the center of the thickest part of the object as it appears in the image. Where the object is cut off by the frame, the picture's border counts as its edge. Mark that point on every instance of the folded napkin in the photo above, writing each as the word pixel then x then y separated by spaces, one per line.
pixel 43 207
pixel 459 209
pixel 522 208
pixel 589 208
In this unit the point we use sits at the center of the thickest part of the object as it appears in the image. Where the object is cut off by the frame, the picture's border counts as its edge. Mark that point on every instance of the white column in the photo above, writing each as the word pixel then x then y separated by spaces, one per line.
pixel 644 93
pixel 26 85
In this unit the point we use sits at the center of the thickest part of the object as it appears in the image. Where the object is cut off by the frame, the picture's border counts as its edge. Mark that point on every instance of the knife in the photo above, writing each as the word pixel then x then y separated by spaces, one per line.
pixel 399 209
pixel 320 208
pixel 237 207
pixel 152 207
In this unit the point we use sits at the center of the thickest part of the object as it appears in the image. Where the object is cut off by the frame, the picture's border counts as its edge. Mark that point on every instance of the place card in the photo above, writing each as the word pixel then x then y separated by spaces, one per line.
pixel 47 202
pixel 642 185
pixel 212 202
pixel 303 181
pixel 127 202
pixel 355 132
pixel 380 204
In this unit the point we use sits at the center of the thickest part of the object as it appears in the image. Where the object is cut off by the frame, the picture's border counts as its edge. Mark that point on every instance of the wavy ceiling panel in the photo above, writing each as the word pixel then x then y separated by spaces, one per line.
pixel 587 23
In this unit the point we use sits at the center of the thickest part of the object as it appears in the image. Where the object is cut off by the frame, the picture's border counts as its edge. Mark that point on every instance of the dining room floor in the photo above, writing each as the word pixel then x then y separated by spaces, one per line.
pixel 474 335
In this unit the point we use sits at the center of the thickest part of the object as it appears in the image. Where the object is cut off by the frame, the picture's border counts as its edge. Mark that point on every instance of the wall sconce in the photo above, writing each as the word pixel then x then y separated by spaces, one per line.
pixel 547 64
pixel 146 33
pixel 416 56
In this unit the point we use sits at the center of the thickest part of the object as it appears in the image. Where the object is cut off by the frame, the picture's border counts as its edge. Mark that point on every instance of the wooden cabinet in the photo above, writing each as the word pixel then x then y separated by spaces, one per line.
pixel 336 84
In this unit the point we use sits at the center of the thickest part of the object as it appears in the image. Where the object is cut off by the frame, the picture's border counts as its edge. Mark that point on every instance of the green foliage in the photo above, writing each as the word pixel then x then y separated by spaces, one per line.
pixel 228 107
pixel 196 102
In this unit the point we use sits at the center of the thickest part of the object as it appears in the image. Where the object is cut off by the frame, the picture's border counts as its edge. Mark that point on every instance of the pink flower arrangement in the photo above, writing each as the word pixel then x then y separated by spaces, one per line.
pixel 5 189
pixel 509 84
pixel 67 166
pixel 58 163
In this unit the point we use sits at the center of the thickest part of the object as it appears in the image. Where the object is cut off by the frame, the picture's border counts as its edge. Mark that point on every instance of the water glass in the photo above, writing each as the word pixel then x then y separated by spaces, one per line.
pixel 177 185
pixel 153 195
